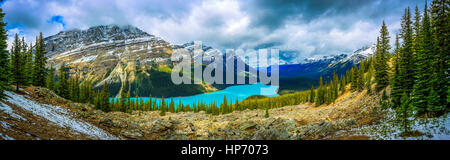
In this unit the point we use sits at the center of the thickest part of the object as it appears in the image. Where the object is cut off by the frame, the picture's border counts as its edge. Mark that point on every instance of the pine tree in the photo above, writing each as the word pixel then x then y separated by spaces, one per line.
pixel 17 63
pixel 51 79
pixel 404 112
pixel 162 112
pixel 368 83
pixel 4 57
pixel 320 93
pixel 236 104
pixel 396 87
pixel 354 72
pixel 417 29
pixel 441 30
pixel 406 56
pixel 360 80
pixel 39 63
pixel 74 89
pixel 180 105
pixel 312 95
pixel 383 47
pixel 434 104
pixel 384 96
pixel 336 88
pixel 343 84
pixel 224 105
pixel 172 106
pixel 155 107
pixel 104 101
pixel 63 86
pixel 423 74
pixel 267 113
pixel 28 65
pixel 163 105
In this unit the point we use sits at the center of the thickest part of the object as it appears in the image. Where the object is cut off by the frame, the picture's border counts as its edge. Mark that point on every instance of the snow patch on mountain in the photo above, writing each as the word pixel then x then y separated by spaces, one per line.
pixel 85 59
pixel 363 53
pixel 58 115
pixel 6 137
pixel 7 109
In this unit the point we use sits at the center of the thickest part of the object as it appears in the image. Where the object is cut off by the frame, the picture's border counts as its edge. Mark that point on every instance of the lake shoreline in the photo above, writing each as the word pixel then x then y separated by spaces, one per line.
pixel 232 93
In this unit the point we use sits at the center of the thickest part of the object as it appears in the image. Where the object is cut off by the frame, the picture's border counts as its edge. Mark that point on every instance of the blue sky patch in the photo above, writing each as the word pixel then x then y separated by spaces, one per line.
pixel 57 19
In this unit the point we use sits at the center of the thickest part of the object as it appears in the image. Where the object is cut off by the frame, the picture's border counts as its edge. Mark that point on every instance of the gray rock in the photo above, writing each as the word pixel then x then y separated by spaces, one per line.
pixel 106 121
pixel 247 125
pixel 160 126
pixel 134 134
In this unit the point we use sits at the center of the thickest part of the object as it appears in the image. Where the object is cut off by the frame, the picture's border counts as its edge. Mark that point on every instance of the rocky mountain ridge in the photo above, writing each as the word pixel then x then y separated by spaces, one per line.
pixel 123 56
pixel 326 65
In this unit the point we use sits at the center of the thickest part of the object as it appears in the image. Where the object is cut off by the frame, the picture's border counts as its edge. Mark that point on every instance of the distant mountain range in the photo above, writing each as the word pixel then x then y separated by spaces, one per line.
pixel 326 65
pixel 134 61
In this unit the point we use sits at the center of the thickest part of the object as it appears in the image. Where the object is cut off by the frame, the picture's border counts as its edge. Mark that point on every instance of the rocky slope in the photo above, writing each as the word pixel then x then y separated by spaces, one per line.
pixel 43 115
pixel 293 122
pixel 26 119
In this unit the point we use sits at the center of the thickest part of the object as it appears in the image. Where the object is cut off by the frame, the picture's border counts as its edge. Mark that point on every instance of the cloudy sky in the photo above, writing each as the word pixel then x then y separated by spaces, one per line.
pixel 302 28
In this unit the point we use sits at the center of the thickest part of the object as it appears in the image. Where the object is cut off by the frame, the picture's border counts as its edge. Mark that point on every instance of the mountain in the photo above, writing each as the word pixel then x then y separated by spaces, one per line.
pixel 325 66
pixel 123 56
pixel 134 61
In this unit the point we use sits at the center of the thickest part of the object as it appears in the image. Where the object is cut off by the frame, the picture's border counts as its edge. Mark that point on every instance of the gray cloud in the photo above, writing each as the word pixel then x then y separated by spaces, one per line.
pixel 300 28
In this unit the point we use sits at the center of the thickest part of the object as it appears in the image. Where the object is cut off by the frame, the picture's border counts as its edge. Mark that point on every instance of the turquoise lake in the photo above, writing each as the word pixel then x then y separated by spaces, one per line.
pixel 232 93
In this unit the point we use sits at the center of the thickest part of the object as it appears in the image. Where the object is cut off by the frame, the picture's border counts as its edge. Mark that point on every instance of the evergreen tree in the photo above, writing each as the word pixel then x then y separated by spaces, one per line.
pixel 368 82
pixel 28 65
pixel 236 104
pixel 404 112
pixel 267 113
pixel 434 105
pixel 172 106
pixel 423 62
pixel 383 47
pixel 336 88
pixel 39 62
pixel 17 63
pixel 406 56
pixel 63 86
pixel 416 29
pixel 104 101
pixel 163 105
pixel 155 107
pixel 74 89
pixel 162 112
pixel 354 72
pixel 51 79
pixel 384 96
pixel 343 84
pixel 4 57
pixel 180 105
pixel 312 95
pixel 440 18
pixel 360 80
pixel 320 93
pixel 225 105
pixel 396 87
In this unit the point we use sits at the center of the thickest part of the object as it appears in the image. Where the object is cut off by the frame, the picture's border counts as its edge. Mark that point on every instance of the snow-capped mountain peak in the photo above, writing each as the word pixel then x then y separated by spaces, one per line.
pixel 366 51
pixel 359 54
